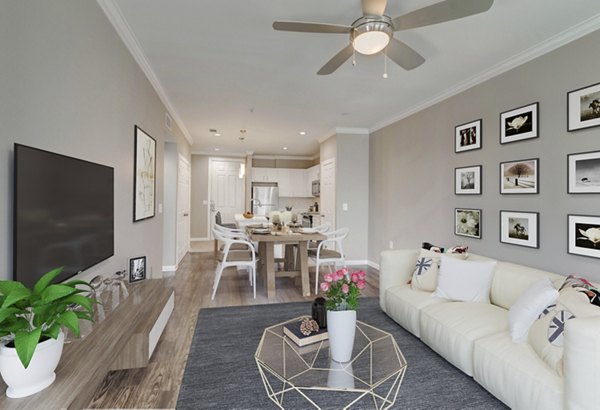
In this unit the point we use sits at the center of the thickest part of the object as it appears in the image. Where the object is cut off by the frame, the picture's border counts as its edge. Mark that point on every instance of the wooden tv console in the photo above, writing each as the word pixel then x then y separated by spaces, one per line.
pixel 125 339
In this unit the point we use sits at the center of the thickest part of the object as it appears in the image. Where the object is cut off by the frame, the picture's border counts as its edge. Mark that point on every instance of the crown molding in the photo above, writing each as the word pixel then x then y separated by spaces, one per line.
pixel 354 131
pixel 115 16
pixel 219 154
pixel 571 34
pixel 290 157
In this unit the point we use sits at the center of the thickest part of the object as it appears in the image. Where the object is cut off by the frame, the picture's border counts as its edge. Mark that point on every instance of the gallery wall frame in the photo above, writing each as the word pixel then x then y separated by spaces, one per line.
pixel 467 180
pixel 467 222
pixel 520 228
pixel 520 123
pixel 583 235
pixel 520 177
pixel 468 136
pixel 583 108
pixel 144 177
pixel 583 173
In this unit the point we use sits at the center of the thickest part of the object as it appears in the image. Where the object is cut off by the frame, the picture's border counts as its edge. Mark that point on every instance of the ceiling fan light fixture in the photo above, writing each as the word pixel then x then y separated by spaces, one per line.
pixel 371 35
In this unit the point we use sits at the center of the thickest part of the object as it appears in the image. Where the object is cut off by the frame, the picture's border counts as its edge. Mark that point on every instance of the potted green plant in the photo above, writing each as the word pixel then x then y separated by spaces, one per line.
pixel 31 322
pixel 342 289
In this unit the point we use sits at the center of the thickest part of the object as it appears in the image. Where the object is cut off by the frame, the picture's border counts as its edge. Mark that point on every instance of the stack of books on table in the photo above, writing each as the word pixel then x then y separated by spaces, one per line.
pixel 292 331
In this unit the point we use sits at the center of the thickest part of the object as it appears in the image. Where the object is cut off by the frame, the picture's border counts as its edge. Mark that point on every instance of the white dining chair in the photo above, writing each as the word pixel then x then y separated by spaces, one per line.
pixel 244 257
pixel 324 255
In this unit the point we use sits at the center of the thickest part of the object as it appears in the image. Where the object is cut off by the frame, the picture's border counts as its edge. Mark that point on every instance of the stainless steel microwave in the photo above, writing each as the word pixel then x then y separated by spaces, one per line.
pixel 316 188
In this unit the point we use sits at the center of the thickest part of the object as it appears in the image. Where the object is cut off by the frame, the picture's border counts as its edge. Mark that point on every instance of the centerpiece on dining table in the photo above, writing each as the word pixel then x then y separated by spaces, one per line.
pixel 342 289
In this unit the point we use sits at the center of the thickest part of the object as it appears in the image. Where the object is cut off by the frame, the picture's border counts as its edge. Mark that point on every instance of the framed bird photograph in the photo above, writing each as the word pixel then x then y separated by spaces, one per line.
pixel 519 124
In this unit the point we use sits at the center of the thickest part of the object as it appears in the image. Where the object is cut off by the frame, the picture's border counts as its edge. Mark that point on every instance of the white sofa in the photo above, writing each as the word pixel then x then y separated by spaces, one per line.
pixel 474 337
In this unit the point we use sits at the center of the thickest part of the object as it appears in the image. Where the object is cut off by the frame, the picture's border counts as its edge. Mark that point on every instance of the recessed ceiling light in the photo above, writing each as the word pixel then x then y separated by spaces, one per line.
pixel 217 135
pixel 302 133
pixel 217 149
pixel 285 148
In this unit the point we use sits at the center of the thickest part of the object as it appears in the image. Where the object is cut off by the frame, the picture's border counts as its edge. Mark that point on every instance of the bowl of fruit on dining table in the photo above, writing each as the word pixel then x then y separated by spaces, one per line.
pixel 248 215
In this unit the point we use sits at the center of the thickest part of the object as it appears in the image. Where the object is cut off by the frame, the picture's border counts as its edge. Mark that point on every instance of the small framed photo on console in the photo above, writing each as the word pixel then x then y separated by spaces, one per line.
pixel 137 269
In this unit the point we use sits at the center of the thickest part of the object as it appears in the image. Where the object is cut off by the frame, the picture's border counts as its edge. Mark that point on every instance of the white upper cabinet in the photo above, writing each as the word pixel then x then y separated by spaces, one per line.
pixel 292 182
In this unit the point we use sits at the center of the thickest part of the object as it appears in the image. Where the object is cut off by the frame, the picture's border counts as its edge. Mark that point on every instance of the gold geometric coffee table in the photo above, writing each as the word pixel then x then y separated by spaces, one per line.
pixel 294 376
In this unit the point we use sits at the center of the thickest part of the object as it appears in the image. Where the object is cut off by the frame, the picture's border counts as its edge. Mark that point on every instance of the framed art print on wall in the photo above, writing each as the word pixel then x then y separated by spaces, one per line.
pixel 584 235
pixel 520 228
pixel 519 124
pixel 467 180
pixel 519 177
pixel 467 222
pixel 144 181
pixel 137 269
pixel 583 108
pixel 583 173
pixel 467 136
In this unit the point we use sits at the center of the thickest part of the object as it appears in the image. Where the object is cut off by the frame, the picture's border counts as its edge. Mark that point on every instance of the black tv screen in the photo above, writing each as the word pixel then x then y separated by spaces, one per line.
pixel 63 214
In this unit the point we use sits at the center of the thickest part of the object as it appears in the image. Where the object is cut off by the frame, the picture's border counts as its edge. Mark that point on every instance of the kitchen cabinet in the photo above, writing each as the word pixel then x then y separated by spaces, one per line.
pixel 312 174
pixel 291 182
pixel 265 175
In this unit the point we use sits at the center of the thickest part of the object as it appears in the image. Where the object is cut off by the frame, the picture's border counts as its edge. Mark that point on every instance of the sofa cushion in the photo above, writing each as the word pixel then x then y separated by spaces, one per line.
pixel 403 304
pixel 465 280
pixel 451 329
pixel 515 374
pixel 529 306
pixel 425 275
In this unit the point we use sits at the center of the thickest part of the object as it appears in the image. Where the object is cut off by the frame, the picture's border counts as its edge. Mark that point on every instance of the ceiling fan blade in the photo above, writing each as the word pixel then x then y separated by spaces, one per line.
pixel 311 27
pixel 373 7
pixel 403 55
pixel 441 12
pixel 337 60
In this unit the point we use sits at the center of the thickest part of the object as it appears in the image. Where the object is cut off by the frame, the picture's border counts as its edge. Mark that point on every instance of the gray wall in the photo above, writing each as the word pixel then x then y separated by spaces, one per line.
pixel 328 149
pixel 352 187
pixel 75 89
pixel 199 211
pixel 412 164
pixel 171 168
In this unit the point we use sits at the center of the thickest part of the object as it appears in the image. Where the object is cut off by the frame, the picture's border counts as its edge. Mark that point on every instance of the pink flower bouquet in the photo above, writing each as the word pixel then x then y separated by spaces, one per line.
pixel 342 289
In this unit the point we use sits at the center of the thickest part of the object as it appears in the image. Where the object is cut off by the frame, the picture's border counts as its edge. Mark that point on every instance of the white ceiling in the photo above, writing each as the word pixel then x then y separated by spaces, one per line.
pixel 221 65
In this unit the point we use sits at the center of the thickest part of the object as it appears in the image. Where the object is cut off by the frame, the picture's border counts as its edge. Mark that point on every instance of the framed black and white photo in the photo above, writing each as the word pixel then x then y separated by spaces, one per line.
pixel 519 124
pixel 137 269
pixel 520 228
pixel 583 108
pixel 467 222
pixel 467 136
pixel 467 180
pixel 144 180
pixel 520 177
pixel 583 173
pixel 584 235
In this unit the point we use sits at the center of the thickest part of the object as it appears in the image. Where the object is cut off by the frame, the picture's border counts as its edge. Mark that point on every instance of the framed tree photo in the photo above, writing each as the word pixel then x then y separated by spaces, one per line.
pixel 467 180
pixel 519 124
pixel 519 177
pixel 137 269
pixel 467 136
pixel 144 181
pixel 520 228
pixel 467 222
pixel 584 235
pixel 583 108
pixel 583 173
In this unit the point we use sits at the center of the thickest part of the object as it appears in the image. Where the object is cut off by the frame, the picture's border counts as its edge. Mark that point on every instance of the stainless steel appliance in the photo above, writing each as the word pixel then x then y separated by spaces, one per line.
pixel 265 198
pixel 316 188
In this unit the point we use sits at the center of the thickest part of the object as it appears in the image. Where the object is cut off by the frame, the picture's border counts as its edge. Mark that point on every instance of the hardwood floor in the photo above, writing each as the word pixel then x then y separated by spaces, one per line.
pixel 157 385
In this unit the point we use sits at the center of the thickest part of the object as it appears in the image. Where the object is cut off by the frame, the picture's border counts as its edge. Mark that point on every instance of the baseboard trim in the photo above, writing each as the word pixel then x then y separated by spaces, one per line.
pixel 170 268
pixel 199 239
pixel 357 262
pixel 373 265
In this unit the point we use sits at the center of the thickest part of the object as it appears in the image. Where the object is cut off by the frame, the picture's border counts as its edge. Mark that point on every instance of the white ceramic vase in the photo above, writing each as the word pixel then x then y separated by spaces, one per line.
pixel 39 374
pixel 341 326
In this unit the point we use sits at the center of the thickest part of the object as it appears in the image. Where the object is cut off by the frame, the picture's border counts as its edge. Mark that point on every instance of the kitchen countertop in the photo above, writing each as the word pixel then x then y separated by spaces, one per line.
pixel 240 221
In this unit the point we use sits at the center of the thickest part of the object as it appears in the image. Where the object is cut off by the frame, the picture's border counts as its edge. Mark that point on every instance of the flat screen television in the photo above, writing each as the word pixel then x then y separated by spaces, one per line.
pixel 63 214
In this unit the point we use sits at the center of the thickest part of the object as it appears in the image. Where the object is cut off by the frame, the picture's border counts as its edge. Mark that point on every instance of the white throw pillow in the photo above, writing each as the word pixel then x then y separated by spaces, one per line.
pixel 529 306
pixel 466 281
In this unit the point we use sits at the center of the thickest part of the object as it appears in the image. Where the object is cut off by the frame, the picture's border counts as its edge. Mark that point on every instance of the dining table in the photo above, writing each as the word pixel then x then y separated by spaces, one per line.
pixel 293 267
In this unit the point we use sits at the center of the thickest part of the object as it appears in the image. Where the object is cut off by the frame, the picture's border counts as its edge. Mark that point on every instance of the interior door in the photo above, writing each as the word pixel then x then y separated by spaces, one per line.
pixel 183 207
pixel 226 190
pixel 328 192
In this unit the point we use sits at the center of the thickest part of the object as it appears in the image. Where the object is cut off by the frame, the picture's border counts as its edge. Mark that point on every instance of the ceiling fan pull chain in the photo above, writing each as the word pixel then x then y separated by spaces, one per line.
pixel 385 75
pixel 353 57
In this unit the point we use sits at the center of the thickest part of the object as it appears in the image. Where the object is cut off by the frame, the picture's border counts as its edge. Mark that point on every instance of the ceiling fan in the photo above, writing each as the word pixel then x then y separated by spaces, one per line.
pixel 374 31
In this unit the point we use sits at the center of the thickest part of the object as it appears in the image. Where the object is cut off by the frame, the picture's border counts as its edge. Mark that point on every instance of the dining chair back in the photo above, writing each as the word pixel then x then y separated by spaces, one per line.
pixel 329 251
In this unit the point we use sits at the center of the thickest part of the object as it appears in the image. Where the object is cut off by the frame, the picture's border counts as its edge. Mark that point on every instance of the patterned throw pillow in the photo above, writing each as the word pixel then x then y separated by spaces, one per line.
pixel 425 275
pixel 546 335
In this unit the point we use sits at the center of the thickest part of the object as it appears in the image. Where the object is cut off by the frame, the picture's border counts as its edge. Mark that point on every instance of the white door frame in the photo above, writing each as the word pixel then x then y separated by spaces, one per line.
pixel 327 162
pixel 189 219
pixel 209 207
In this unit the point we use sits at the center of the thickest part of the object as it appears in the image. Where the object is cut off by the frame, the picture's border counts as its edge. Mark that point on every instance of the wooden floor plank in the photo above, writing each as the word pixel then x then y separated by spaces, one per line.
pixel 157 385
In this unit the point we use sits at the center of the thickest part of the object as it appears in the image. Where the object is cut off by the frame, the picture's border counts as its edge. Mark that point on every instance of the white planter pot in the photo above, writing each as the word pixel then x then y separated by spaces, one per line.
pixel 341 326
pixel 39 374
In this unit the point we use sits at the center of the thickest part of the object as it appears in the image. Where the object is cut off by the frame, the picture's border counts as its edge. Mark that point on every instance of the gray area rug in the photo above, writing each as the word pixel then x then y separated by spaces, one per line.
pixel 221 372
